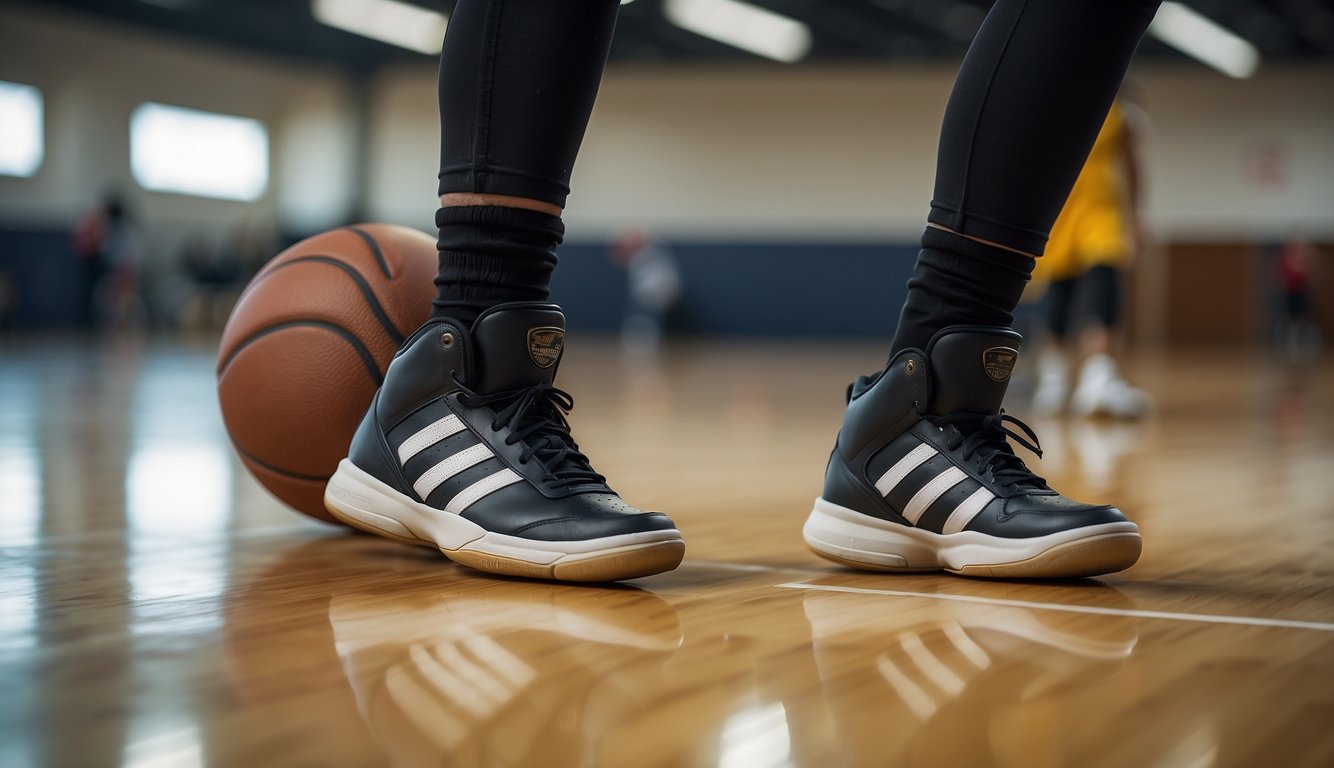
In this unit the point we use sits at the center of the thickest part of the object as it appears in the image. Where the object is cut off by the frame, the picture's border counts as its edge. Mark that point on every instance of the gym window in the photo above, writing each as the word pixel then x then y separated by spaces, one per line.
pixel 173 149
pixel 21 145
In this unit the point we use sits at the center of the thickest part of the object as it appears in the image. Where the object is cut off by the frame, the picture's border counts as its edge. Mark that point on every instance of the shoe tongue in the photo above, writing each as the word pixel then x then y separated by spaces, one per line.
pixel 970 368
pixel 516 346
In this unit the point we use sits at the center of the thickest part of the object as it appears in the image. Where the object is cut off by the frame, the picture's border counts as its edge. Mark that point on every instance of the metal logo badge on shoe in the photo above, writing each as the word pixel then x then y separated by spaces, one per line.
pixel 544 345
pixel 998 362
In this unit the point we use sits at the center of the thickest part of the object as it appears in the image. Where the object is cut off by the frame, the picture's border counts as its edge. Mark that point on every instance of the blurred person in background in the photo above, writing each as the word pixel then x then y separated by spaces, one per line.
pixel 90 241
pixel 1298 332
pixel 653 288
pixel 110 252
pixel 1092 245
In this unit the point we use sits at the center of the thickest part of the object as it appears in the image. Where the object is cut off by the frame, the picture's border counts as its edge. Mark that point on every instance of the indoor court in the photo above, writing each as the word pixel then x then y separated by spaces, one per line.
pixel 241 635
pixel 159 607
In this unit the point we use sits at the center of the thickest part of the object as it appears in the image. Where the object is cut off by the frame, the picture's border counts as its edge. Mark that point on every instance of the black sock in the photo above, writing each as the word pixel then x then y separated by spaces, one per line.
pixel 959 281
pixel 491 255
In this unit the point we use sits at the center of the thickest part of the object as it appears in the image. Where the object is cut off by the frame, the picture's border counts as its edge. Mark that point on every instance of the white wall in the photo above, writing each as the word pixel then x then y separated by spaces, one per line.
pixel 93 74
pixel 844 153
pixel 1209 136
pixel 816 153
pixel 850 152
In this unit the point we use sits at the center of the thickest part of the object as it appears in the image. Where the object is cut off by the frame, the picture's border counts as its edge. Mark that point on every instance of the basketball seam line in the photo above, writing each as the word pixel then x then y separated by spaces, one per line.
pixel 395 335
pixel 279 470
pixel 369 360
pixel 375 249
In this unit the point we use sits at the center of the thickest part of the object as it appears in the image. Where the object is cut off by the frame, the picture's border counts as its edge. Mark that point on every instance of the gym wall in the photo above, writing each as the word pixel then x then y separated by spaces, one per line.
pixel 746 171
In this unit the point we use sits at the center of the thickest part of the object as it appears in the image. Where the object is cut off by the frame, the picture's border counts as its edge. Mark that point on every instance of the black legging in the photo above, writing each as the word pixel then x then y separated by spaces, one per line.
pixel 517 83
pixel 1027 104
pixel 519 77
pixel 1099 287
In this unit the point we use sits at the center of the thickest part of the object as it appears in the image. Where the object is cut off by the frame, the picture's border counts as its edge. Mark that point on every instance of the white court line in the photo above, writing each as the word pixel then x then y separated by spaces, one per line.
pixel 1200 617
pixel 747 567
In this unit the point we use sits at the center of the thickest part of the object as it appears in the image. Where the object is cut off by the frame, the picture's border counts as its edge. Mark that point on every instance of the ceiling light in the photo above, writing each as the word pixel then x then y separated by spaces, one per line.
pixel 1199 37
pixel 743 26
pixel 389 21
pixel 172 5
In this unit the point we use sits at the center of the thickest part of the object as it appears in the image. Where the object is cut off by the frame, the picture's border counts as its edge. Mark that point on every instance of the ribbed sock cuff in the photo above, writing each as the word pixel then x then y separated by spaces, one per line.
pixel 492 255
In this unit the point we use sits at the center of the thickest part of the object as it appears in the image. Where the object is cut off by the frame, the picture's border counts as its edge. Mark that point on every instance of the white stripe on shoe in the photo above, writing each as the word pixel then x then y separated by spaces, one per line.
pixel 938 486
pixel 915 458
pixel 923 499
pixel 966 511
pixel 429 436
pixel 452 465
pixel 433 477
pixel 484 487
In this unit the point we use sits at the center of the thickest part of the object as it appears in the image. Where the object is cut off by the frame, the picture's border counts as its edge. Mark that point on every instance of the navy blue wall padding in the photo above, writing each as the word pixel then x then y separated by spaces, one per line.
pixel 752 289
pixel 805 289
pixel 44 274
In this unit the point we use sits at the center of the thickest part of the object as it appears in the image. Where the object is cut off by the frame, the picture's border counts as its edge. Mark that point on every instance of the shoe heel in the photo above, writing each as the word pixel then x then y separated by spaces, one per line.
pixel 350 499
pixel 850 538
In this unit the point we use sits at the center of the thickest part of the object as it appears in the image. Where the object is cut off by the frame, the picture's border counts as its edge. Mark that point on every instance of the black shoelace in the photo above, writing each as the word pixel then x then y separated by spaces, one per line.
pixel 984 435
pixel 535 417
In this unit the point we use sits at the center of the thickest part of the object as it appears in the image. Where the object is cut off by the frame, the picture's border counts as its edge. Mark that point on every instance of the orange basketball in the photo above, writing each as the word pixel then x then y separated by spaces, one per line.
pixel 307 345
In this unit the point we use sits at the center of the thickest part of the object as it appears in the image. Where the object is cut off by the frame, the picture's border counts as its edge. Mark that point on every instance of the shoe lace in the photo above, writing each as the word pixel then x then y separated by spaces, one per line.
pixel 535 417
pixel 985 436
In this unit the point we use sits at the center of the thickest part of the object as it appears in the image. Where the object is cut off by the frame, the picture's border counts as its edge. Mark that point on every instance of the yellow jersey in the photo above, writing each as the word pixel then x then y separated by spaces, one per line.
pixel 1095 225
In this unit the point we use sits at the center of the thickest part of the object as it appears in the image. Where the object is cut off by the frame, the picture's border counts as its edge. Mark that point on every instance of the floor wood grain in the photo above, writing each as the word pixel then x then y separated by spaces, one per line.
pixel 158 608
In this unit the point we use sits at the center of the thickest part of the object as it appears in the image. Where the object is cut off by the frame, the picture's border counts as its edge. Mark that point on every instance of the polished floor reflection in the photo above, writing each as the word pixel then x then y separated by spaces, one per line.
pixel 157 608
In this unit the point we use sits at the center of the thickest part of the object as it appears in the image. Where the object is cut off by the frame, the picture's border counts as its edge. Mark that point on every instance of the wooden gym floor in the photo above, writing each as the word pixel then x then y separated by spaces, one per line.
pixel 158 609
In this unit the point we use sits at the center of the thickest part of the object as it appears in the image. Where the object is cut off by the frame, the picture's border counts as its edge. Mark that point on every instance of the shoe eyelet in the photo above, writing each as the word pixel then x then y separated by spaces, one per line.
pixel 447 339
pixel 910 367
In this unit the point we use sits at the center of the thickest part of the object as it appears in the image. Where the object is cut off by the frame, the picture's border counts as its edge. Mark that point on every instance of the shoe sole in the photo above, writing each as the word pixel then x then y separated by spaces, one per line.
pixel 850 538
pixel 363 502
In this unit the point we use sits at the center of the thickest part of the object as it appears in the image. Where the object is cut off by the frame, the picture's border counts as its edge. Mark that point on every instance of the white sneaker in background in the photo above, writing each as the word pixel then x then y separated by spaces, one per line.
pixel 1053 383
pixel 1102 392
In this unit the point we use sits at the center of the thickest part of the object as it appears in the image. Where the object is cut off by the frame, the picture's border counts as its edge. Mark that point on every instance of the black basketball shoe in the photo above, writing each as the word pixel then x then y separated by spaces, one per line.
pixel 922 476
pixel 466 448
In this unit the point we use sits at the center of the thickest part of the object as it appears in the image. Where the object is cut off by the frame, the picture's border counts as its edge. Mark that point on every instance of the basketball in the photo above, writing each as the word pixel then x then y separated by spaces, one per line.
pixel 308 344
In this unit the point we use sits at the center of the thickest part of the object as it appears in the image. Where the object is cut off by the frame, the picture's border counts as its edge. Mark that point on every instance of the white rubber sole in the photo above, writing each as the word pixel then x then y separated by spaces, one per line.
pixel 861 541
pixel 363 502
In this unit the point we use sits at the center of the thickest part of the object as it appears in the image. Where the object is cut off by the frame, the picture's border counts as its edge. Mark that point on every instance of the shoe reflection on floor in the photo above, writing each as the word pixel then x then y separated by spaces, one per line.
pixel 498 671
pixel 430 663
pixel 942 682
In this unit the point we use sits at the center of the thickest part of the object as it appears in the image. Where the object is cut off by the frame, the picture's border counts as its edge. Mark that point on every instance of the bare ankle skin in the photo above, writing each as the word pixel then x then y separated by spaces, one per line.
pixel 453 199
